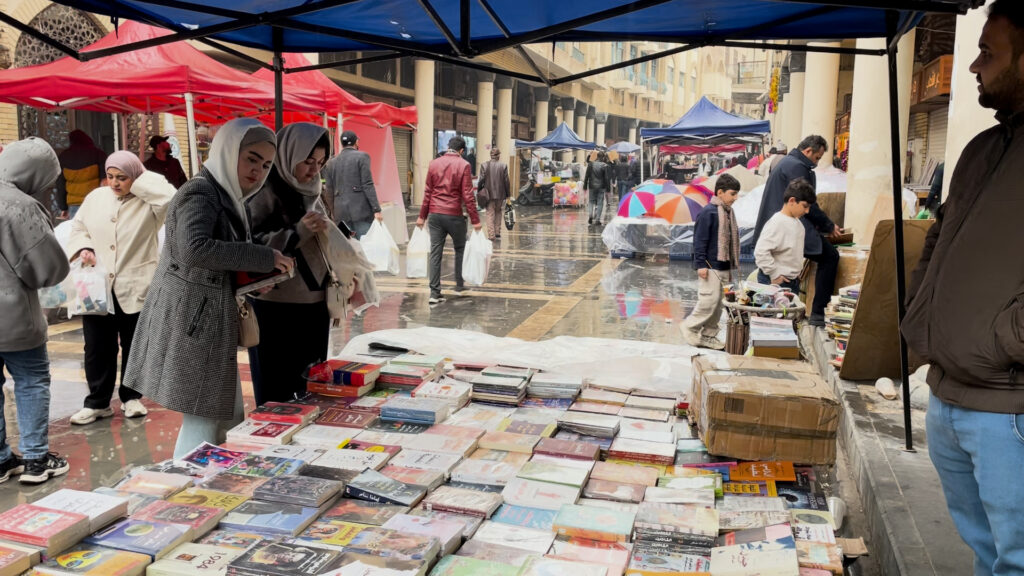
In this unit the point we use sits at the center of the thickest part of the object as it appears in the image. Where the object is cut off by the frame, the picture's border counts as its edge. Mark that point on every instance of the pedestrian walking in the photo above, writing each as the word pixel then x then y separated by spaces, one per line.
pixel 598 182
pixel 622 176
pixel 116 228
pixel 287 215
pixel 965 314
pixel 184 355
pixel 493 190
pixel 162 162
pixel 81 165
pixel 350 190
pixel 31 259
pixel 447 193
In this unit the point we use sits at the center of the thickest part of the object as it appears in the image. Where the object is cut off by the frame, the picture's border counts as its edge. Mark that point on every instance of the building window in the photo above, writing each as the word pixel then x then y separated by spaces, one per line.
pixel 383 71
pixel 338 57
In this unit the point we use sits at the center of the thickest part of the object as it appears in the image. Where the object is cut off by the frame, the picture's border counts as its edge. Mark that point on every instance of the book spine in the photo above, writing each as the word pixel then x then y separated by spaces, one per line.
pixel 360 494
pixel 277 418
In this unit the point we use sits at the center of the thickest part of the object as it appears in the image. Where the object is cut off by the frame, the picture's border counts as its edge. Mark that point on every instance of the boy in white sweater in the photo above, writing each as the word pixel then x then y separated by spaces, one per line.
pixel 779 252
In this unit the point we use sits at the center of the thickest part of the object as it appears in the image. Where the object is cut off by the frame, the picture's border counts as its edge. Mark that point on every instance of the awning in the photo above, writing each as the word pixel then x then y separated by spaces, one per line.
pixel 705 123
pixel 561 138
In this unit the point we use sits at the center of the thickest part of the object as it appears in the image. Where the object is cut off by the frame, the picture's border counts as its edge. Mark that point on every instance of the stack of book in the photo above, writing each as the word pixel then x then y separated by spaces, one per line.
pixel 50 530
pixel 588 522
pixel 454 392
pixel 676 536
pixel 499 390
pixel 433 362
pixel 598 425
pixel 774 338
pixel 342 378
pixel 419 410
pixel 404 375
pixel 345 417
pixel 550 385
pixel 376 487
pixel 286 412
pixel 259 432
pixel 839 320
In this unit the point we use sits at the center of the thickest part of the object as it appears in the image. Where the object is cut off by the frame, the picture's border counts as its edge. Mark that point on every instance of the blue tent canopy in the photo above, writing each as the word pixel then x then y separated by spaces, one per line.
pixel 706 122
pixel 561 138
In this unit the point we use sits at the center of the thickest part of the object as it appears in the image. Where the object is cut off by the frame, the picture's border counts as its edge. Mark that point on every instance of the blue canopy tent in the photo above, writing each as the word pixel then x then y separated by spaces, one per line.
pixel 561 138
pixel 456 31
pixel 706 123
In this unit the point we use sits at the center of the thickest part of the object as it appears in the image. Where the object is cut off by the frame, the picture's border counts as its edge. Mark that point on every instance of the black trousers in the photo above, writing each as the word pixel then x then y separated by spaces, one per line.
pixel 102 334
pixel 440 226
pixel 292 336
pixel 825 278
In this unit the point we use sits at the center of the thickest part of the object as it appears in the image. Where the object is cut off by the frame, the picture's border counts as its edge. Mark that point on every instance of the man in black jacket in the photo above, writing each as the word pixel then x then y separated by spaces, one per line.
pixel 622 176
pixel 350 191
pixel 800 163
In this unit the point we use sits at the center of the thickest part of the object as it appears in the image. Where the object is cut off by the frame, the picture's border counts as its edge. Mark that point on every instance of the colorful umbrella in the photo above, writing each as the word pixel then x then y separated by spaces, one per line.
pixel 658 186
pixel 677 209
pixel 636 204
pixel 699 186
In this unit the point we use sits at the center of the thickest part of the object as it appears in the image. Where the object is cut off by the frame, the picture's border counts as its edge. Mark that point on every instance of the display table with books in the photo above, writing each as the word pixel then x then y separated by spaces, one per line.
pixel 467 467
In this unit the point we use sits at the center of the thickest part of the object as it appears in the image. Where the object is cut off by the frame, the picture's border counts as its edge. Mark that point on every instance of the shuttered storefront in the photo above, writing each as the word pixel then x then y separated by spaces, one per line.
pixel 403 155
pixel 938 121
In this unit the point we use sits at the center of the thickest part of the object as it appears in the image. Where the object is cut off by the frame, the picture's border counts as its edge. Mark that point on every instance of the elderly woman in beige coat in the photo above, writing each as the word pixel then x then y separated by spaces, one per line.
pixel 116 228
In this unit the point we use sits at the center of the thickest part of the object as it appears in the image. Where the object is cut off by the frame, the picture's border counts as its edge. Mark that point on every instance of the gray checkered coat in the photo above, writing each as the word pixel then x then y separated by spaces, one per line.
pixel 185 347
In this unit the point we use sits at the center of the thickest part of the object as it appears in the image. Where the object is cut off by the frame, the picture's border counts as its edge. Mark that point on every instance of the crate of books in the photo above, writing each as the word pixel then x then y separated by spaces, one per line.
pixel 764 409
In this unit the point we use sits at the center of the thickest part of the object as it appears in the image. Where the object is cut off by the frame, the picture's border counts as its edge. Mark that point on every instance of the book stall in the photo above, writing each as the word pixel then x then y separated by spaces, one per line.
pixel 415 464
pixel 567 191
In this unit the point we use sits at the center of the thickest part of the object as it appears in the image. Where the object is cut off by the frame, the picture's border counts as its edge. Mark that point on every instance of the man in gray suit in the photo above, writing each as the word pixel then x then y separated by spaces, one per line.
pixel 350 190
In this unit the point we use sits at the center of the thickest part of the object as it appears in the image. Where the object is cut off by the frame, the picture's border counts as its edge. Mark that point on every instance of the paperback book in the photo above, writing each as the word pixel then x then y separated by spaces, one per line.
pixel 534 518
pixel 567 449
pixel 376 487
pixel 467 566
pixel 546 471
pixel 201 519
pixel 544 566
pixel 302 490
pixel 197 496
pixel 470 524
pixel 530 493
pixel 463 501
pixel 327 437
pixel 286 412
pixel 266 466
pixel 439 443
pixel 256 432
pixel 241 484
pixel 624 474
pixel 426 460
pixel 154 539
pixel 157 484
pixel 52 530
pixel 271 518
pixel 446 532
pixel 426 479
pixel 207 454
pixel 189 559
pixel 373 540
pixel 292 451
pixel 95 561
pixel 496 533
pixel 615 491
pixel 509 442
pixel 574 521
pixel 772 558
pixel 357 460
pixel 273 558
pixel 102 509
pixel 345 417
pixel 361 512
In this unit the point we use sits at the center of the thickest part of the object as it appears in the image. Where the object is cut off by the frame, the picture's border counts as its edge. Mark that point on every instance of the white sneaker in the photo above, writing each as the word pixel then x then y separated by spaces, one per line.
pixel 134 409
pixel 712 343
pixel 90 415
pixel 692 338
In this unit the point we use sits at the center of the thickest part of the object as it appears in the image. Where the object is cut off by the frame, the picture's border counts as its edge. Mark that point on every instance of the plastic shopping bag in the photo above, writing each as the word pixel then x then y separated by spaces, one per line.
pixel 90 291
pixel 380 249
pixel 416 254
pixel 476 261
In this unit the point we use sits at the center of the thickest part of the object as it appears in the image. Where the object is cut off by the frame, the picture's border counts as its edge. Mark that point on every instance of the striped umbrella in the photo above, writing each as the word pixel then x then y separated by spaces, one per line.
pixel 636 204
pixel 677 209
pixel 658 186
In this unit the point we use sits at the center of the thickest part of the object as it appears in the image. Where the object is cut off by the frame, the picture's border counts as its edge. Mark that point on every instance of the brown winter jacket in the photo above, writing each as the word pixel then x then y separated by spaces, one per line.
pixel 966 297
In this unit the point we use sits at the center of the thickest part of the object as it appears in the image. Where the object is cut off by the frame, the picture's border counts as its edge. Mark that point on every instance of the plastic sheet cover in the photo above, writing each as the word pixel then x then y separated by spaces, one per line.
pixel 657 236
pixel 640 365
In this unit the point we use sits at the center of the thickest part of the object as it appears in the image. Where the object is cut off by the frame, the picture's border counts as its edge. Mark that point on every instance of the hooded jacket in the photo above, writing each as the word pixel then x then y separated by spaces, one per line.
pixel 966 296
pixel 30 256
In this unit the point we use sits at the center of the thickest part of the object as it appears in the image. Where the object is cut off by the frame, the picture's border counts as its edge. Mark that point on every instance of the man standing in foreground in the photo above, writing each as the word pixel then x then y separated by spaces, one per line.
pixel 966 314
pixel 163 163
pixel 350 190
pixel 449 190
pixel 800 163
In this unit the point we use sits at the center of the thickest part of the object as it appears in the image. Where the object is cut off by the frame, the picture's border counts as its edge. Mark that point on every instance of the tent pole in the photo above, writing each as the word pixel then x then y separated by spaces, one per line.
pixel 641 160
pixel 897 210
pixel 278 80
pixel 117 130
pixel 193 152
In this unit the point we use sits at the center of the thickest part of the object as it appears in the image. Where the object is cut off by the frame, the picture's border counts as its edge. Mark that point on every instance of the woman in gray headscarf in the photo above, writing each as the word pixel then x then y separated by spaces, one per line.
pixel 185 348
pixel 286 215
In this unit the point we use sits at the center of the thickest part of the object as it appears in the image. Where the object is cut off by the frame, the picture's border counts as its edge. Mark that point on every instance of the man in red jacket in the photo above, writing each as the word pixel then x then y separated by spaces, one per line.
pixel 449 190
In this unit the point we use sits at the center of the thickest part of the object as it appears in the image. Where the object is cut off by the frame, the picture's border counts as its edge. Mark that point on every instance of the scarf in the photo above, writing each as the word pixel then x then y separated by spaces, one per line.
pixel 728 234
pixel 295 144
pixel 126 162
pixel 222 162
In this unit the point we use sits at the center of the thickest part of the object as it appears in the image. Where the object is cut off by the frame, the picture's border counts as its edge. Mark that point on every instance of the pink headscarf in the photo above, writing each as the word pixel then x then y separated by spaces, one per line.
pixel 126 162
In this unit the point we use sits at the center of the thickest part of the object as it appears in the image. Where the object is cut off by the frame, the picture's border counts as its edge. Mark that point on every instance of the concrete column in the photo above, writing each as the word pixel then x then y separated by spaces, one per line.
pixel 581 129
pixel 870 170
pixel 484 117
pixel 504 130
pixel 568 116
pixel 423 151
pixel 791 130
pixel 601 120
pixel 541 110
pixel 966 117
pixel 632 131
pixel 820 108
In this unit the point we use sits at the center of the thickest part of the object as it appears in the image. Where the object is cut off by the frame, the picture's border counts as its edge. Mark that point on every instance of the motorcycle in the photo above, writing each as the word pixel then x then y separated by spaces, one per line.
pixel 532 193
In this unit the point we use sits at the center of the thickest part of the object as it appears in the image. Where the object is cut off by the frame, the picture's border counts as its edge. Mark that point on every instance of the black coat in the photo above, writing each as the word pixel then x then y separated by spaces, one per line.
pixel 816 222
pixel 705 241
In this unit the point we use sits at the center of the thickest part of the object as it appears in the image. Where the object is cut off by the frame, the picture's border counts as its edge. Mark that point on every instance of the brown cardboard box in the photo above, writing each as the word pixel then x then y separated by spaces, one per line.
pixel 763 409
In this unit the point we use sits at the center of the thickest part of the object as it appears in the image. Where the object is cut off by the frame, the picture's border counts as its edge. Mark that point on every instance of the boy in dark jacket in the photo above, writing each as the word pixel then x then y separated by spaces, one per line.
pixel 716 251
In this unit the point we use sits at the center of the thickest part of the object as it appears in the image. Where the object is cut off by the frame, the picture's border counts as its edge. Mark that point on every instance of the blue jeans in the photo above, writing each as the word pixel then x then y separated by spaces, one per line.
pixel 623 189
pixel 72 210
pixel 31 372
pixel 198 429
pixel 793 285
pixel 978 457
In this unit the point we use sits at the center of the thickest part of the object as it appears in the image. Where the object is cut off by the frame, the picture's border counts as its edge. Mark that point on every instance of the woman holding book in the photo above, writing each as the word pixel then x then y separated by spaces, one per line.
pixel 184 352
pixel 116 228
pixel 287 215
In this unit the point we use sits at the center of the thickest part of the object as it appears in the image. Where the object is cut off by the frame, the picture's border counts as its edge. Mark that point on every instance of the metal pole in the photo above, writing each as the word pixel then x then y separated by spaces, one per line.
pixel 117 131
pixel 897 211
pixel 278 80
pixel 641 160
pixel 193 151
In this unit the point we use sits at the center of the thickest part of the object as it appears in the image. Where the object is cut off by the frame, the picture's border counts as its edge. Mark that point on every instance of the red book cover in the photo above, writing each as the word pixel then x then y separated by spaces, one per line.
pixel 272 430
pixel 286 412
pixel 337 416
pixel 196 517
pixel 344 372
pixel 568 449
pixel 369 447
pixel 338 389
pixel 35 525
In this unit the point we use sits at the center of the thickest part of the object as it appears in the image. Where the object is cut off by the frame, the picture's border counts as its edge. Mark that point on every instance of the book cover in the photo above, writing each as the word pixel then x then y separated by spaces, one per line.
pixel 770 557
pixel 468 566
pixel 201 519
pixel 376 487
pixel 354 564
pixel 463 501
pixel 256 432
pixel 95 561
pixel 361 512
pixel 286 412
pixel 349 459
pixel 327 437
pixel 698 496
pixel 14 561
pixel 773 532
pixel 361 444
pixel 608 490
pixel 734 502
pixel 567 449
pixel 433 361
pixel 710 481
pixel 614 555
pixel 339 390
pixel 43 527
pixel 746 519
pixel 603 396
pixel 467 432
pixel 336 474
pixel 574 521
pixel 292 451
pixel 232 539
pixel 426 460
pixel 304 490
pixel 240 484
pixel 266 466
pixel 595 408
pixel 271 558
pixel 151 538
pixel 545 471
pixel 438 443
pixel 600 425
pixel 492 552
pixel 207 454
pixel 760 471
pixel 561 404
pixel 545 566
pixel 642 450
pixel 804 493
pixel 765 488
pixel 812 518
pixel 508 442
pixel 624 474
pixel 384 438
pixel 479 416
pixel 678 518
pixel 643 562
pixel 345 418
pixel 102 509
pixel 496 533
pixel 344 372
pixel 272 518
pixel 815 533
pixel 644 414
pixel 520 492
pixel 373 540
pixel 427 479
pixel 544 430
pixel 446 532
pixel 190 558
pixel 157 484
pixel 486 466
pixel 534 518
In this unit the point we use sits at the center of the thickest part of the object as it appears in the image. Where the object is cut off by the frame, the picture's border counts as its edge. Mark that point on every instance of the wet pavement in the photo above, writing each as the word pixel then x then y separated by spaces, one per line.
pixel 551 276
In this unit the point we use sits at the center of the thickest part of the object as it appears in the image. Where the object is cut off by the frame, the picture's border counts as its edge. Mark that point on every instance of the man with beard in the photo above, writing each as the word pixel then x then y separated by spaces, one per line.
pixel 966 313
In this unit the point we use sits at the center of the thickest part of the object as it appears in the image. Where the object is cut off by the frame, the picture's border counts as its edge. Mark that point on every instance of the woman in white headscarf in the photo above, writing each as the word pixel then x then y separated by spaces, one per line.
pixel 286 215
pixel 185 348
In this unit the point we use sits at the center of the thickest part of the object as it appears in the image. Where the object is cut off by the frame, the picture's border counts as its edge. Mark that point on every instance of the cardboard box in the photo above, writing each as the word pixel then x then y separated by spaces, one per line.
pixel 763 409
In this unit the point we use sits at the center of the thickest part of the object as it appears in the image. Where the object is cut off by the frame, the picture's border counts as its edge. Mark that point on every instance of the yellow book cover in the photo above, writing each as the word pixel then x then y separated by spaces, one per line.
pixel 212 498
pixel 764 488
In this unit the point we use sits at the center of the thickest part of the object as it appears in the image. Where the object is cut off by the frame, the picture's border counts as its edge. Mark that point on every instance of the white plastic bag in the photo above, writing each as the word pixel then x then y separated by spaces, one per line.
pixel 91 291
pixel 380 249
pixel 476 261
pixel 416 254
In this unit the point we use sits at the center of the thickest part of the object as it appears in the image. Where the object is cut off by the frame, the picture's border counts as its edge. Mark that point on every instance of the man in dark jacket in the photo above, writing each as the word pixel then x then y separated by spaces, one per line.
pixel 82 167
pixel 598 182
pixel 163 163
pixel 966 314
pixel 800 163
pixel 350 191
pixel 622 177
pixel 448 191
pixel 492 191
